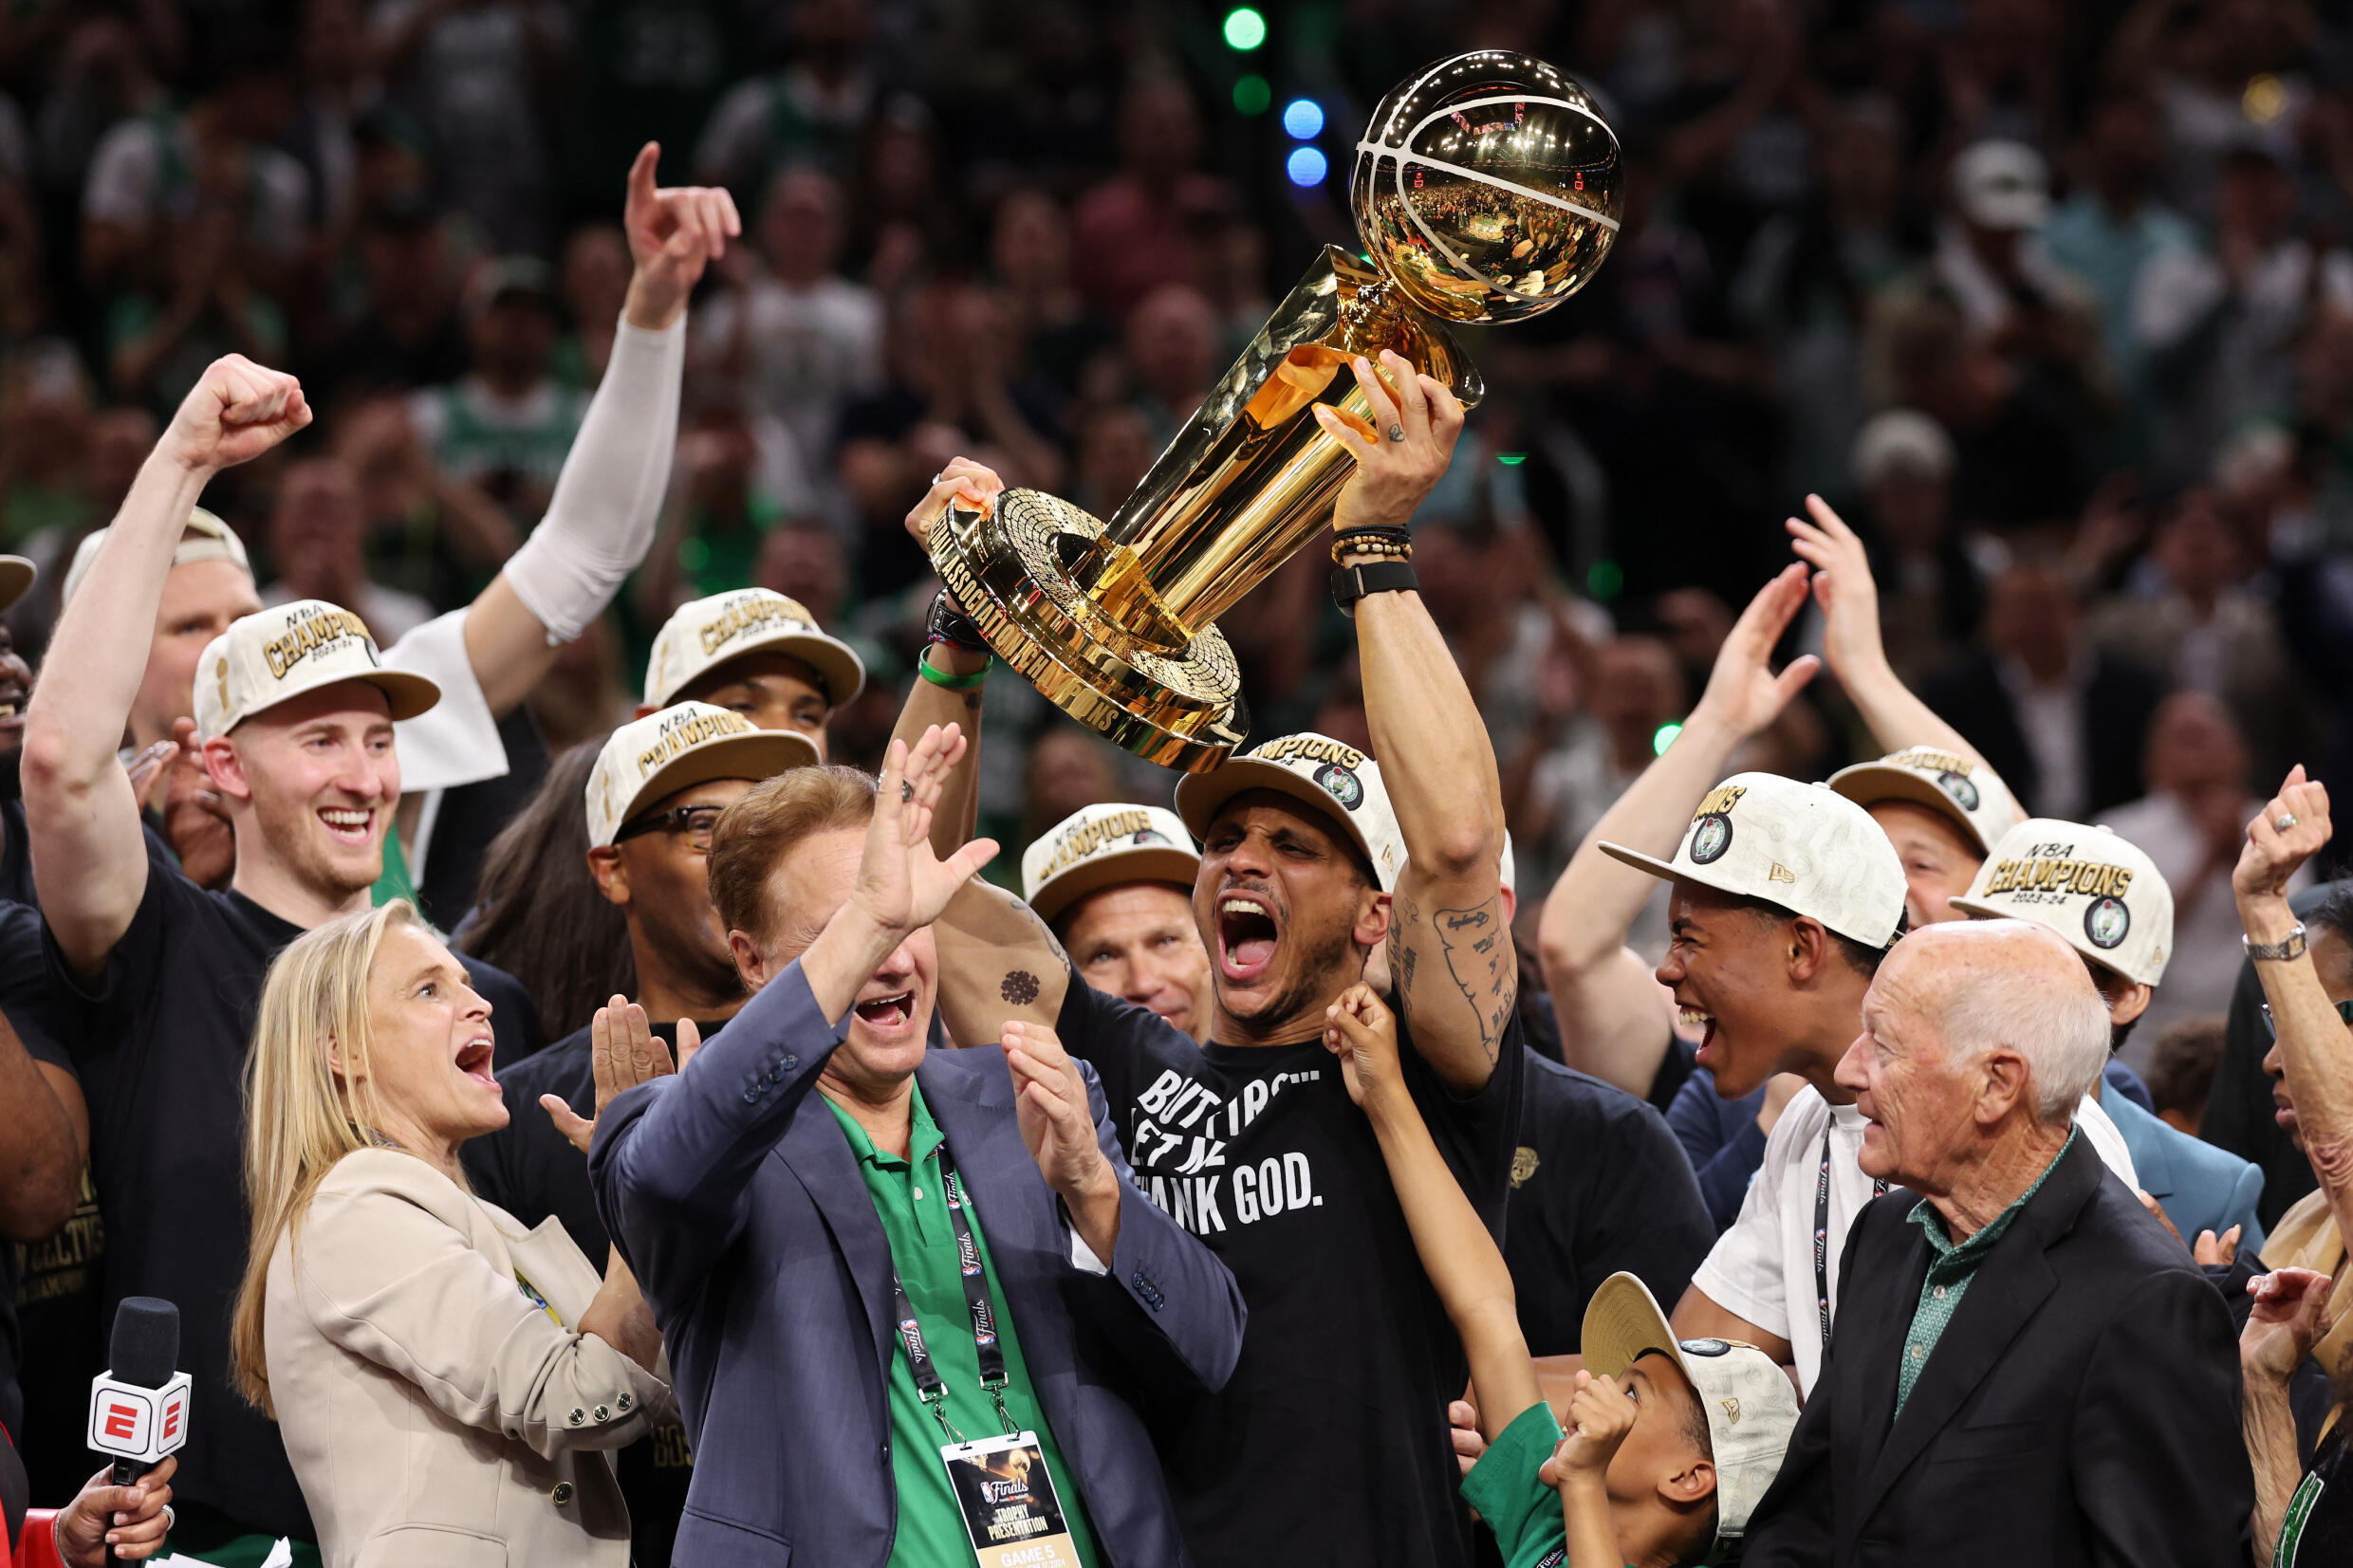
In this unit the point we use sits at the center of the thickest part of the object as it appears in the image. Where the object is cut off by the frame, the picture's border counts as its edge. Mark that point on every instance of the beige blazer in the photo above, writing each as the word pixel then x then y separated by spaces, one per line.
pixel 437 1417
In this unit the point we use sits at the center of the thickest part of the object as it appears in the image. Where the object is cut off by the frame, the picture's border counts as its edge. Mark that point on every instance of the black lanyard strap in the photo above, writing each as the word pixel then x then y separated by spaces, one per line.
pixel 991 1355
pixel 1821 1235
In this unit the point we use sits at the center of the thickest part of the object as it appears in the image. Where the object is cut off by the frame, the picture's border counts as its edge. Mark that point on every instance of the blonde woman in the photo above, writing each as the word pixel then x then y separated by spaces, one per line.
pixel 447 1383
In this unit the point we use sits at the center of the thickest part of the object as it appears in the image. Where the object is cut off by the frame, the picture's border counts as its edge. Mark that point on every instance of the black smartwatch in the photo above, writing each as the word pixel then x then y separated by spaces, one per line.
pixel 950 625
pixel 1350 584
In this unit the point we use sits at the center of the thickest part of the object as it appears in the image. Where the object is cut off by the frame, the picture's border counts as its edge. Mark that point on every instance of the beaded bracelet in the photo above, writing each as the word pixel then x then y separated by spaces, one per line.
pixel 1376 547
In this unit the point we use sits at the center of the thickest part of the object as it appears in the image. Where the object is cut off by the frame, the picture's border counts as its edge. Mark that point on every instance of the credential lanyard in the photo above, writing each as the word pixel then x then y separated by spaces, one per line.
pixel 1822 1236
pixel 985 1347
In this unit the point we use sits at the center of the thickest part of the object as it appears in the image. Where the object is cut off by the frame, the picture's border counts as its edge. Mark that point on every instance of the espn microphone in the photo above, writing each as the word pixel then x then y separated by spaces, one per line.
pixel 139 1406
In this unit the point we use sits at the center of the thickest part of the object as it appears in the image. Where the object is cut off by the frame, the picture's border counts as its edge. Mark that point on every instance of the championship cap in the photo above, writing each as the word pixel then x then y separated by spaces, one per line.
pixel 2100 892
pixel 265 658
pixel 689 742
pixel 16 575
pixel 206 538
pixel 1750 1405
pixel 1799 846
pixel 1328 776
pixel 708 632
pixel 1099 846
pixel 1962 788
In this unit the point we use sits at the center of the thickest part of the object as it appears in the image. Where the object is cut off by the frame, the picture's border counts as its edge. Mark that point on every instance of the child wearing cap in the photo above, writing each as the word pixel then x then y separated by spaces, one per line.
pixel 1670 1443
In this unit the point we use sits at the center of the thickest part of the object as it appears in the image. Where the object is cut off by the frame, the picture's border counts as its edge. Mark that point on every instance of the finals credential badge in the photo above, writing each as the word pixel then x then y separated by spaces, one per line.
pixel 1008 1500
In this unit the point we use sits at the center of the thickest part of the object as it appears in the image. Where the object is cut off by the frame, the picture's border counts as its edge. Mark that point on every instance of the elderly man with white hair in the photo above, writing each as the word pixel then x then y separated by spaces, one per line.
pixel 2026 1369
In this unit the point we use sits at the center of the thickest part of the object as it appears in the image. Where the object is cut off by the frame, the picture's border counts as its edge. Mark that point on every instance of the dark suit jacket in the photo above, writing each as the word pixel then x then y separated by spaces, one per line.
pixel 731 1192
pixel 2116 709
pixel 2082 1407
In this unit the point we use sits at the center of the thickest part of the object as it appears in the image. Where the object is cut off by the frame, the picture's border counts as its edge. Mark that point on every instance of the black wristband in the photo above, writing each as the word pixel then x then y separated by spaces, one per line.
pixel 950 625
pixel 1350 584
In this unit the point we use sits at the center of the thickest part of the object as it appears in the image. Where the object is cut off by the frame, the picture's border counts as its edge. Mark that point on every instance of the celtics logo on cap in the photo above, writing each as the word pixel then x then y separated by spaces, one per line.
pixel 2106 921
pixel 1963 792
pixel 1710 837
pixel 1705 1347
pixel 1149 836
pixel 1344 786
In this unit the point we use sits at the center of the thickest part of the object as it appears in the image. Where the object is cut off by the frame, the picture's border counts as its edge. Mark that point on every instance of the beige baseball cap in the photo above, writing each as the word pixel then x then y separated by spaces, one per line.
pixel 1962 788
pixel 206 538
pixel 688 743
pixel 16 575
pixel 709 632
pixel 281 652
pixel 1751 1403
pixel 1798 845
pixel 2093 888
pixel 1328 776
pixel 1100 846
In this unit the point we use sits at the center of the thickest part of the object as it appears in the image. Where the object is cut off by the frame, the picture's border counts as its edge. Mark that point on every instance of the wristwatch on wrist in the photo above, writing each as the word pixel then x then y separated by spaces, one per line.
pixel 2292 946
pixel 1350 584
pixel 949 624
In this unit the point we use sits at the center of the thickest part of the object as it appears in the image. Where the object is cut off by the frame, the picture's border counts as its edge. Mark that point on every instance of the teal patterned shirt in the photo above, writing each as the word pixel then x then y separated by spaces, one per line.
pixel 1949 1273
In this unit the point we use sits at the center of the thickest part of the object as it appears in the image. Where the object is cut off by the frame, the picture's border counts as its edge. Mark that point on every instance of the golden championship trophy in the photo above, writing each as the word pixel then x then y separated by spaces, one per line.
pixel 1486 189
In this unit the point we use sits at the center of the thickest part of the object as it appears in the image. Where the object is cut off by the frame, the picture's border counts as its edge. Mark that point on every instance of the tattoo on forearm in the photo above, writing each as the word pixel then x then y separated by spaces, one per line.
pixel 1020 987
pixel 1479 958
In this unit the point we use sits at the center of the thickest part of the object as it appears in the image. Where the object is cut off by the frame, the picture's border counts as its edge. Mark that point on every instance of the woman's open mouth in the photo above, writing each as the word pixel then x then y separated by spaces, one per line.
pixel 474 1061
pixel 1246 936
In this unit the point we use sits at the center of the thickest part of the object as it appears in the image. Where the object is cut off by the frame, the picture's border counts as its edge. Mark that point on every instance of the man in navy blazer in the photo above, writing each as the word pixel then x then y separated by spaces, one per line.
pixel 734 1193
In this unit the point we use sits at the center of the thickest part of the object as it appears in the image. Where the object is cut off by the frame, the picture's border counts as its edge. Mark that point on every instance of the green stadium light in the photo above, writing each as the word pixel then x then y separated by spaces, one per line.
pixel 1245 28
pixel 1252 95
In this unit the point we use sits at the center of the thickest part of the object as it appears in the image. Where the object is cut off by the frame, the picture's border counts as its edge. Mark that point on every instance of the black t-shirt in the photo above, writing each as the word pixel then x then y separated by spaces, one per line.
pixel 530 1171
pixel 26 1001
pixel 1598 1185
pixel 161 1047
pixel 1330 1443
pixel 2319 1524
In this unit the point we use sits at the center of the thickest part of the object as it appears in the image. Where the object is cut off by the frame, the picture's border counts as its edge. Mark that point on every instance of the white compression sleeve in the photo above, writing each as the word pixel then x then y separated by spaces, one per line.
pixel 608 498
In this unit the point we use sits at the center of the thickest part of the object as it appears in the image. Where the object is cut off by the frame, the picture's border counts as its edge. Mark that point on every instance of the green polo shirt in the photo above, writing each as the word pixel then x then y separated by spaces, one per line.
pixel 913 1206
pixel 1949 1271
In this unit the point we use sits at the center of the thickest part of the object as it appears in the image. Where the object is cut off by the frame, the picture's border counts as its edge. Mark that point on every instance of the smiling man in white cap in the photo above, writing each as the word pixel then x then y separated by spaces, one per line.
pixel 1115 885
pixel 2106 899
pixel 756 652
pixel 653 800
pixel 294 712
pixel 1785 897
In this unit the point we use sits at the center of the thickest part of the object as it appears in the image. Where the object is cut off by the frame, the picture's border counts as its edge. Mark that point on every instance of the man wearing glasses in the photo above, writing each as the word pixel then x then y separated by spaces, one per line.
pixel 657 788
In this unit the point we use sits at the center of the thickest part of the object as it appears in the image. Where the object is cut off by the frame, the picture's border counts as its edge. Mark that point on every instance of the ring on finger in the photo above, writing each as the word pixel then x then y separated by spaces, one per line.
pixel 2284 820
pixel 170 1516
pixel 1396 432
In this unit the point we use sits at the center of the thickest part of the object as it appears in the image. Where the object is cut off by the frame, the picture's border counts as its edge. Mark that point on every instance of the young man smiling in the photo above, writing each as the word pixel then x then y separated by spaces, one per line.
pixel 294 716
pixel 1250 1139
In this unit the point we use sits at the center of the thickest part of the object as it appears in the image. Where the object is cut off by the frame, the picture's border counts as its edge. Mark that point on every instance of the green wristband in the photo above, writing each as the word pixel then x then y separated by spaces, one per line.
pixel 953 683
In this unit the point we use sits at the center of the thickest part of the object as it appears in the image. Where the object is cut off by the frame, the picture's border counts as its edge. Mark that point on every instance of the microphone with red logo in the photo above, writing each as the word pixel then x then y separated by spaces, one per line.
pixel 138 1405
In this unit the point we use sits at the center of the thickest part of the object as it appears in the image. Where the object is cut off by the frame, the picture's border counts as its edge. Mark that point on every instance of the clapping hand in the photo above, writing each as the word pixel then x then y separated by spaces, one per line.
pixel 1841 586
pixel 236 410
pixel 1744 696
pixel 624 1052
pixel 1056 1121
pixel 902 885
pixel 675 231
pixel 2290 1315
pixel 2289 831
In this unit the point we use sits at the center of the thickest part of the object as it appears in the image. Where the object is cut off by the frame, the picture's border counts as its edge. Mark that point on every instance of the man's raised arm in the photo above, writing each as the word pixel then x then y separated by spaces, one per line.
pixel 608 497
pixel 1850 605
pixel 998 961
pixel 1450 947
pixel 1607 1001
pixel 89 860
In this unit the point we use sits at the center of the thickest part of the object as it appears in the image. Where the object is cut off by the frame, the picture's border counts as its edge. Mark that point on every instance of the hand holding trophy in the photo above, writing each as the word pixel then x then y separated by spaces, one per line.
pixel 1486 189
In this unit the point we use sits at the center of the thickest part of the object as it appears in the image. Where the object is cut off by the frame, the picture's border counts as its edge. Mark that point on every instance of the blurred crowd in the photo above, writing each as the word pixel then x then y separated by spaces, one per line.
pixel 2050 301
